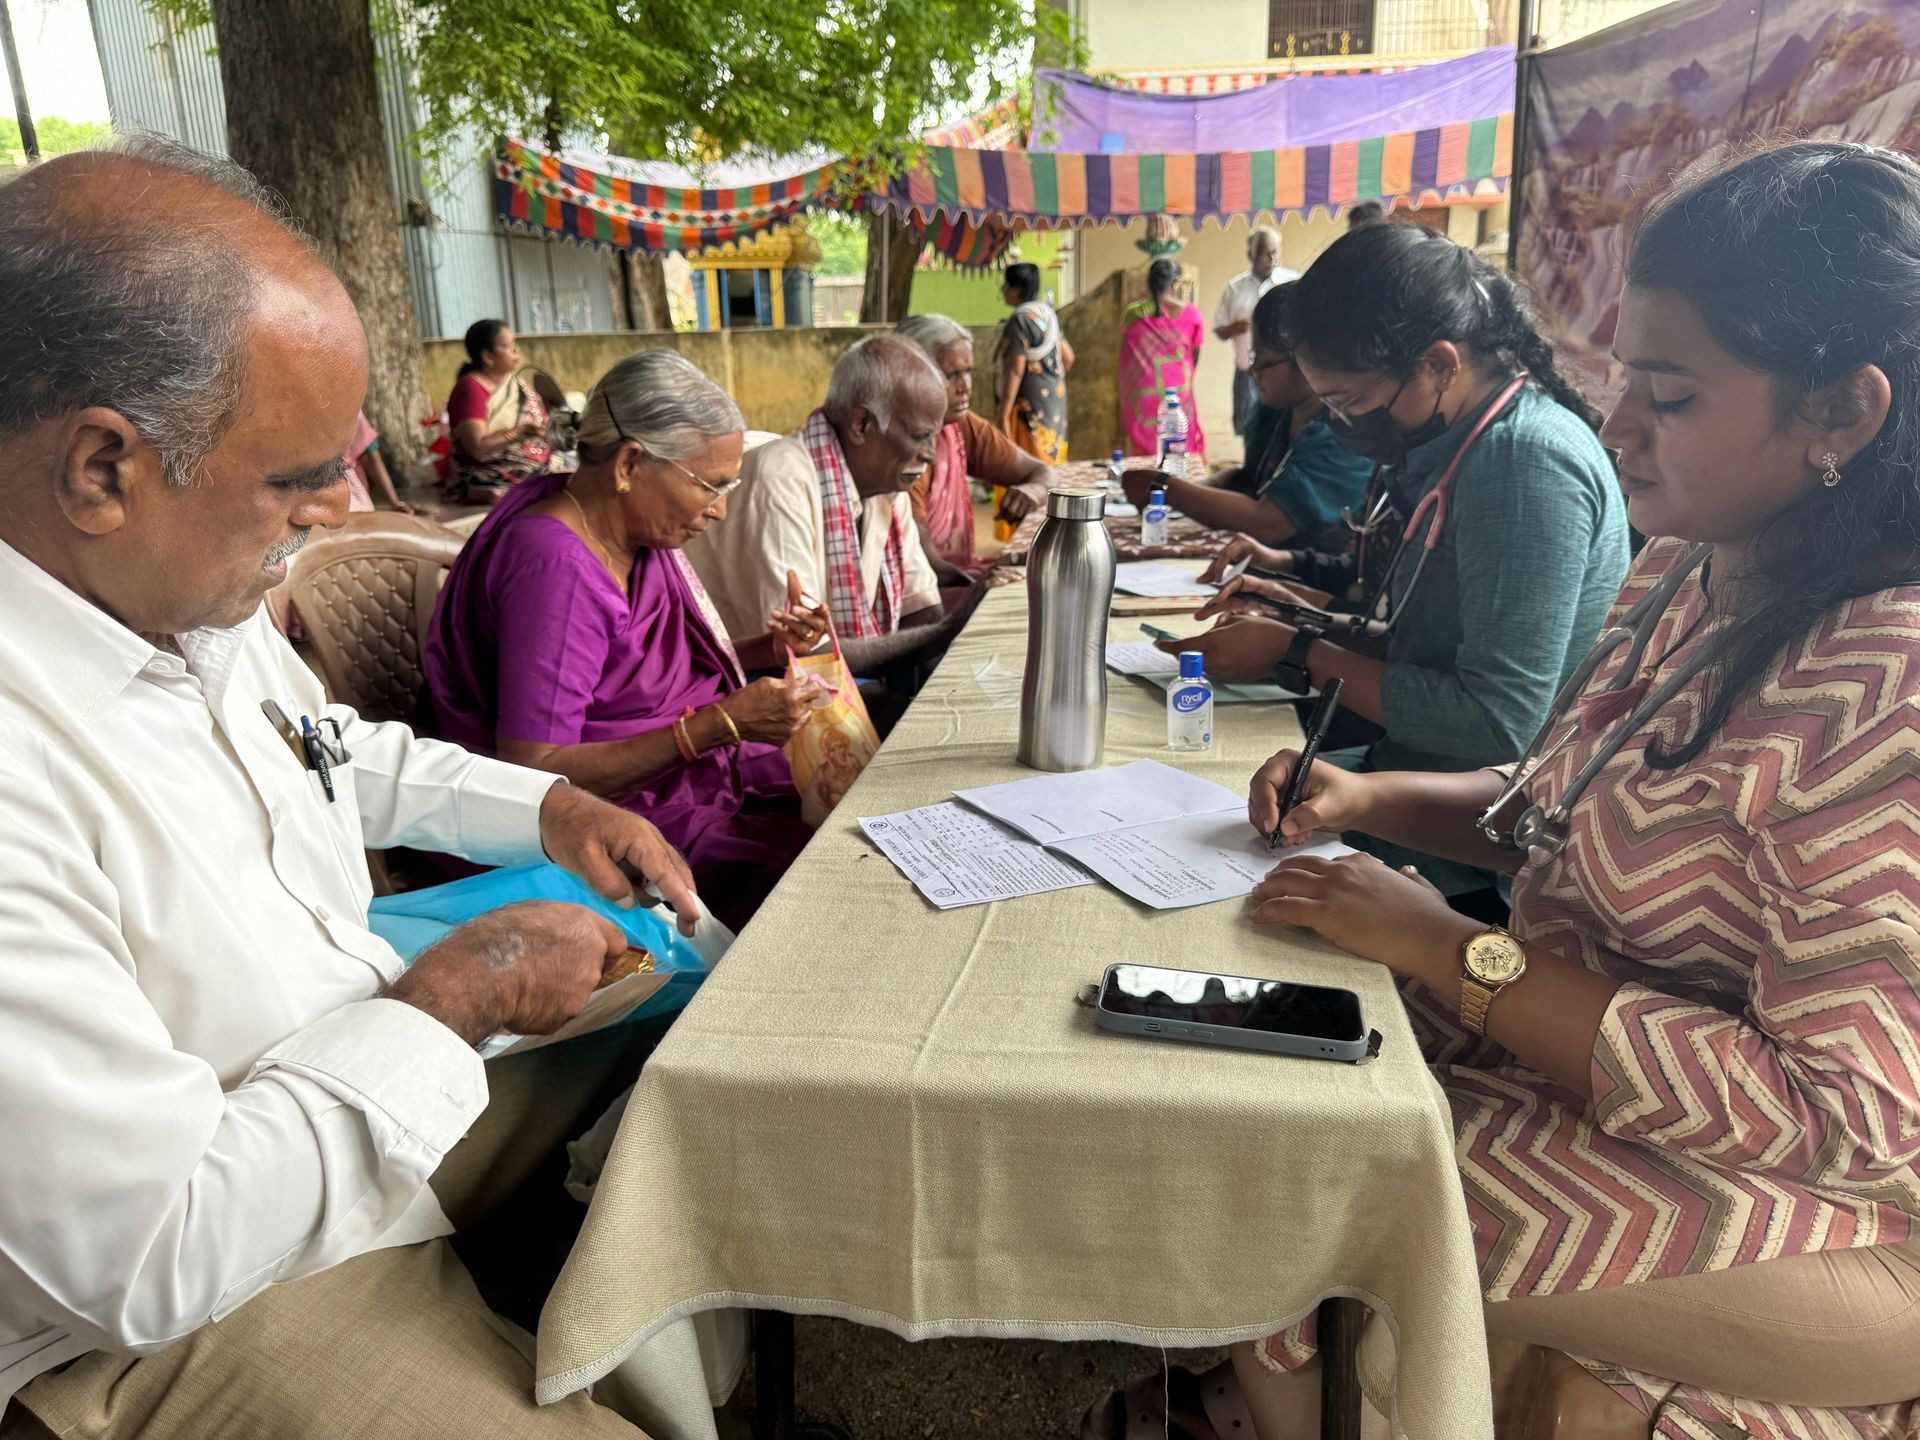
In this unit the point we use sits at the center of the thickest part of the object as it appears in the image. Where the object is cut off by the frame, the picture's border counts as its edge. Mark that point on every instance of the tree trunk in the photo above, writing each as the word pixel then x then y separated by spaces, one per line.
pixel 303 114
pixel 893 245
pixel 650 309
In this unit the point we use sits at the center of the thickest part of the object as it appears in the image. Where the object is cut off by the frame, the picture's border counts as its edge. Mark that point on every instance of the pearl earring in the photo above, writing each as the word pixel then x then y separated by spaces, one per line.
pixel 1832 462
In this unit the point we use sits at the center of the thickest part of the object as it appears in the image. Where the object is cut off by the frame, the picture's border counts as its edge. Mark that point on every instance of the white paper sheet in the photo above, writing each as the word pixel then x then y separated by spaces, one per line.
pixel 1090 802
pixel 1193 860
pixel 1121 510
pixel 955 857
pixel 1158 579
pixel 1141 657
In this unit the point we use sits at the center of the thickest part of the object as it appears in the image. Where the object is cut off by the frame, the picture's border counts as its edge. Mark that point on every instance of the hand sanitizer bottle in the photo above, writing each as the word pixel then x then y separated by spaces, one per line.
pixel 1153 519
pixel 1190 705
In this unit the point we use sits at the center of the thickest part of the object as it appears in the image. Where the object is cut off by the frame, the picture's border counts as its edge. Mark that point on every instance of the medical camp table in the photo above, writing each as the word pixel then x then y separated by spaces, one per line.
pixel 897 1115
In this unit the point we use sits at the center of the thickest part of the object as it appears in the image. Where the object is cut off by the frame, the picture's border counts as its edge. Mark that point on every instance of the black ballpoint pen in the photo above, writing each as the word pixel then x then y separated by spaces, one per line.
pixel 1316 733
pixel 317 756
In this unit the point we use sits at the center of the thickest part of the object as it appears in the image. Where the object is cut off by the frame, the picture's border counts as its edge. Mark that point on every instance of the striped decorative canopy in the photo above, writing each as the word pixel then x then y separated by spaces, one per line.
pixel 545 194
pixel 973 200
pixel 1033 189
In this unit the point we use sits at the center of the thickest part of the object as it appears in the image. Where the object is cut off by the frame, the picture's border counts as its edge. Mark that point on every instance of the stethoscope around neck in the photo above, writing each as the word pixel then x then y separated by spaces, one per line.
pixel 1380 618
pixel 1541 832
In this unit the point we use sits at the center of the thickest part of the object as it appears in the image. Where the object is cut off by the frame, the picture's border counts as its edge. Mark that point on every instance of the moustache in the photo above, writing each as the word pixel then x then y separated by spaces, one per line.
pixel 287 548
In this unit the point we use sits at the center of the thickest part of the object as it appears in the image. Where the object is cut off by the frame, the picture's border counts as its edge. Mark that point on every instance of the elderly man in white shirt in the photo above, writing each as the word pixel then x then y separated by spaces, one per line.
pixel 1233 316
pixel 826 512
pixel 222 1099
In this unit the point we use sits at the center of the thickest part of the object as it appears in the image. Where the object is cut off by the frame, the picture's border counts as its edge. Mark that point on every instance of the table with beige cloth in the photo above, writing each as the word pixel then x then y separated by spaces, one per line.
pixel 900 1116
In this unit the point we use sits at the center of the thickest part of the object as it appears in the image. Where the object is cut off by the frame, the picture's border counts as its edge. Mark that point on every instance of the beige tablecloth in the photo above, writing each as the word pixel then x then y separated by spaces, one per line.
pixel 877 1110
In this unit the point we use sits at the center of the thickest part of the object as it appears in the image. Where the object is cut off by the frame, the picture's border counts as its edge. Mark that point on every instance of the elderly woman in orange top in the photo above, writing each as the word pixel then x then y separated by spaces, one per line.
pixel 969 447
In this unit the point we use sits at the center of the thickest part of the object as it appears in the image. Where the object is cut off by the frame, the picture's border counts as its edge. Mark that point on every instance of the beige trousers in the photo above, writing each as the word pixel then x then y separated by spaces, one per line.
pixel 394 1343
pixel 1836 1328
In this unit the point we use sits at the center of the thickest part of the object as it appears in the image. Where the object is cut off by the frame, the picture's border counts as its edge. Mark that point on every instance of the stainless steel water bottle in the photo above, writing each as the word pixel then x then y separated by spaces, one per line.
pixel 1063 696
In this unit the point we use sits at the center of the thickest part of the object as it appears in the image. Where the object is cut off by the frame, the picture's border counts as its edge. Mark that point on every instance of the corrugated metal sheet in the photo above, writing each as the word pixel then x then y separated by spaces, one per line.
pixel 160 79
pixel 461 267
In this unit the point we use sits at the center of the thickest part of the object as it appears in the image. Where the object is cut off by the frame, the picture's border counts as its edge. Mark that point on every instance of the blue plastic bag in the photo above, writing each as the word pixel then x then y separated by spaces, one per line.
pixel 419 918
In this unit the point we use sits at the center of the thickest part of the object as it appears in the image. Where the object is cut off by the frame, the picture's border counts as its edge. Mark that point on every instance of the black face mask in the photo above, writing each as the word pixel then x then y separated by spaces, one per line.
pixel 1375 436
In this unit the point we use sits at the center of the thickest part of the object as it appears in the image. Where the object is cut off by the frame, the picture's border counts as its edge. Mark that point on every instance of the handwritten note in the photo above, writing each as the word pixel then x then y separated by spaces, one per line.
pixel 956 857
pixel 1159 579
pixel 1193 860
pixel 1092 802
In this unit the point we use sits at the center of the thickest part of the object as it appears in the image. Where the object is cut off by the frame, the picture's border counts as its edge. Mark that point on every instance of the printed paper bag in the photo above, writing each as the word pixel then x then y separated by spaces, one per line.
pixel 830 750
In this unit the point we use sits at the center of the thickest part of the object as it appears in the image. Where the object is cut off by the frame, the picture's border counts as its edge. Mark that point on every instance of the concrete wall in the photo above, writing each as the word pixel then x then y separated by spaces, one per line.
pixel 776 377
pixel 1152 35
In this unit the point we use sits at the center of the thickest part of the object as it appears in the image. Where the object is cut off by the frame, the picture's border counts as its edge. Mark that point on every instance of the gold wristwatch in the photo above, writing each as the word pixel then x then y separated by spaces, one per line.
pixel 1492 960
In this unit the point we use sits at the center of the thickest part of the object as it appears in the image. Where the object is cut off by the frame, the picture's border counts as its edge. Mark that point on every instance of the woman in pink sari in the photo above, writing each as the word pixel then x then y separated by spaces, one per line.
pixel 1160 351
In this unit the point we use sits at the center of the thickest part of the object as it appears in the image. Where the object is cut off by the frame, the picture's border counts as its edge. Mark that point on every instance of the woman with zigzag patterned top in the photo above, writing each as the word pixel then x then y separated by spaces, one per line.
pixel 1686 1086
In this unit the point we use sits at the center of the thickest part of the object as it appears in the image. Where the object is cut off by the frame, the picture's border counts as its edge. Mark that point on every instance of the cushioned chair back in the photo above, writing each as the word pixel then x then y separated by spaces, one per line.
pixel 366 594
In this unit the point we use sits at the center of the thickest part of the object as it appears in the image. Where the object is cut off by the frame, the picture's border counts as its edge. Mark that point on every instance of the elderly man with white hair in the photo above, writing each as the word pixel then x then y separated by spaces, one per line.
pixel 968 448
pixel 829 508
pixel 1233 317
pixel 226 1107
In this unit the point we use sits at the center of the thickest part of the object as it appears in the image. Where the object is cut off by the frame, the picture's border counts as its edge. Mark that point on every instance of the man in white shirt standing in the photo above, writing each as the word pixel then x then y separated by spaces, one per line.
pixel 221 1097
pixel 1233 316
pixel 829 506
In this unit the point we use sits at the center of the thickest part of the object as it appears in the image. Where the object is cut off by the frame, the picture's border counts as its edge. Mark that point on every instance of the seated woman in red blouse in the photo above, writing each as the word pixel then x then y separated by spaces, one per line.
pixel 1686 1088
pixel 498 422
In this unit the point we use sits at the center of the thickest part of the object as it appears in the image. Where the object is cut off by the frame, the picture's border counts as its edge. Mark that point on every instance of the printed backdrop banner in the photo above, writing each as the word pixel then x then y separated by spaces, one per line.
pixel 1622 111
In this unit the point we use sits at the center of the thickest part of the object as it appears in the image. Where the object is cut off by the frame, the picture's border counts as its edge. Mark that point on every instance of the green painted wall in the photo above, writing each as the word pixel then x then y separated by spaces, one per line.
pixel 975 299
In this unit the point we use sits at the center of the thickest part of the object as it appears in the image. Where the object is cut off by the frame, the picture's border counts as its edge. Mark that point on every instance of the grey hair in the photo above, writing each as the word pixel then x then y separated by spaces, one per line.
pixel 872 373
pixel 660 399
pixel 1263 232
pixel 932 333
pixel 117 309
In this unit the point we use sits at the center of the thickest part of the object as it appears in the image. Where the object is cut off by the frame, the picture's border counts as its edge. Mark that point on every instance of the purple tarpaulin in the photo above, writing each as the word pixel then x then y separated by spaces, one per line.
pixel 1090 118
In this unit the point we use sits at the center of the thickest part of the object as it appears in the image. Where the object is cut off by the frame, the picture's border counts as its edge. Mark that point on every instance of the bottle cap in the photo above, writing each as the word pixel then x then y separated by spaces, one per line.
pixel 1156 497
pixel 1119 457
pixel 1192 665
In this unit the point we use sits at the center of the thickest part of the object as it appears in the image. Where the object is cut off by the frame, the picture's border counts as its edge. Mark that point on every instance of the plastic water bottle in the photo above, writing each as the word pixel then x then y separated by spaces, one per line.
pixel 1190 705
pixel 1153 519
pixel 1117 469
pixel 1173 435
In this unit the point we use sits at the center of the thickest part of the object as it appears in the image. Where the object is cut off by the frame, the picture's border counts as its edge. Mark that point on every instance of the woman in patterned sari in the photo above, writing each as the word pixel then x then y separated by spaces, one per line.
pixel 1160 351
pixel 1032 360
pixel 1686 1089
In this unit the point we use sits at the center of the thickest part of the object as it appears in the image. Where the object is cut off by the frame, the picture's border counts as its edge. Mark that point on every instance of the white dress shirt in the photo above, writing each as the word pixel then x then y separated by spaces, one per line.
pixel 775 524
pixel 1243 292
pixel 200 1094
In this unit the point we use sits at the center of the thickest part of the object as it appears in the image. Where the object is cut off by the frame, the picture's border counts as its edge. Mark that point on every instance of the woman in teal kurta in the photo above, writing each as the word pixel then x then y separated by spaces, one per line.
pixel 1414 344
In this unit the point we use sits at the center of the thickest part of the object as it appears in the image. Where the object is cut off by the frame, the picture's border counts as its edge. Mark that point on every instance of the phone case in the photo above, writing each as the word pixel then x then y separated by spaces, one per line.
pixel 1306 1047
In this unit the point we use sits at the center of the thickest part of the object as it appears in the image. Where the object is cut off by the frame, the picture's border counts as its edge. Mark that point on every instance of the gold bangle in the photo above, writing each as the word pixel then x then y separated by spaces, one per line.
pixel 732 729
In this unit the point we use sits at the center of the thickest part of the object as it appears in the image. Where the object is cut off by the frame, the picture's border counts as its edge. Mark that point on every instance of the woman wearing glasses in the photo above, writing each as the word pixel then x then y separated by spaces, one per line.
pixel 1686 1088
pixel 574 636
pixel 1297 477
pixel 1516 535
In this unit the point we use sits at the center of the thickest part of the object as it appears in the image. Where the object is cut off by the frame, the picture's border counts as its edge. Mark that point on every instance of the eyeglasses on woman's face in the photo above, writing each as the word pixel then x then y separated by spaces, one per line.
pixel 719 489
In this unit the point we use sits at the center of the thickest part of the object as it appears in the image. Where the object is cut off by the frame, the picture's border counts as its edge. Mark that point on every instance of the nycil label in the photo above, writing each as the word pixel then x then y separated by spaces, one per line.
pixel 1189 698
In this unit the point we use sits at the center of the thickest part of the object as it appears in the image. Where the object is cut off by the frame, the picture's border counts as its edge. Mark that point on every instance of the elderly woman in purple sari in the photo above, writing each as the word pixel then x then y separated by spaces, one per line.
pixel 574 636
pixel 1160 351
